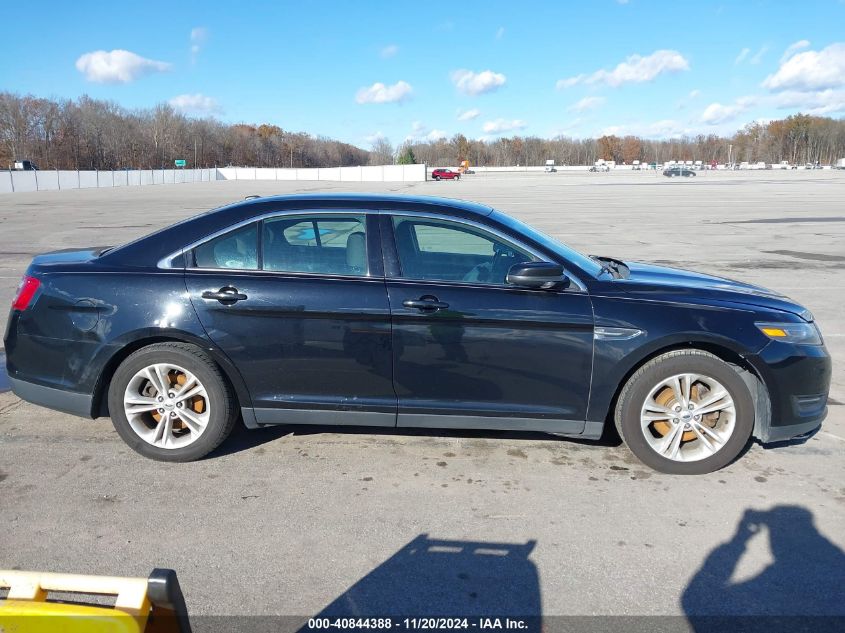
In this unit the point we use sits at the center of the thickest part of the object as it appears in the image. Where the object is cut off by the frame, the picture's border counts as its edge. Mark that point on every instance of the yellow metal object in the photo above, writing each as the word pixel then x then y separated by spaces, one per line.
pixel 26 610
pixel 23 616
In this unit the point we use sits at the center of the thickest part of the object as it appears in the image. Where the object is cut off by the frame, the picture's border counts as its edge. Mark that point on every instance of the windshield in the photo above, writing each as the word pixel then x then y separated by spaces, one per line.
pixel 570 254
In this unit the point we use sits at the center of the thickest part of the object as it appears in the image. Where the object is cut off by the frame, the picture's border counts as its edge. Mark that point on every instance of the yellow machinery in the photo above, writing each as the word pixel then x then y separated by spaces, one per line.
pixel 463 167
pixel 151 605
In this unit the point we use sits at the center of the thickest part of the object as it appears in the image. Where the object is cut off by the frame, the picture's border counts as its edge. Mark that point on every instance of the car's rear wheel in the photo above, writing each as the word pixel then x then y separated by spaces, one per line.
pixel 436 177
pixel 169 402
pixel 686 412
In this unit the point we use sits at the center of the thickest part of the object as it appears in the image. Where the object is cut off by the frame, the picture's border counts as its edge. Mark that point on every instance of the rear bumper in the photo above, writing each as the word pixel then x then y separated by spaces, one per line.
pixel 52 398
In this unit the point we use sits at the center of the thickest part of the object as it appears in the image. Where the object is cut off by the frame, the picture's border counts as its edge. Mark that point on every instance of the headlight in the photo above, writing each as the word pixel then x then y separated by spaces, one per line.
pixel 797 333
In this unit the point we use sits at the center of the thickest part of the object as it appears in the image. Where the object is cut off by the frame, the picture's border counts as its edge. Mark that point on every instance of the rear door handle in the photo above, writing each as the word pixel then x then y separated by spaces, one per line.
pixel 426 304
pixel 227 294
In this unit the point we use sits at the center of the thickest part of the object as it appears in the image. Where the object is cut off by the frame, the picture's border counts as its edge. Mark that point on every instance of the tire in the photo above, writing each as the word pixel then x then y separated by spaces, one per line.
pixel 691 458
pixel 436 178
pixel 213 411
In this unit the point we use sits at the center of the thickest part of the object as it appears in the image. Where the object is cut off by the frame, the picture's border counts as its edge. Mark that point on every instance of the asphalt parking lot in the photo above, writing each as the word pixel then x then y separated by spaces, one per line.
pixel 302 521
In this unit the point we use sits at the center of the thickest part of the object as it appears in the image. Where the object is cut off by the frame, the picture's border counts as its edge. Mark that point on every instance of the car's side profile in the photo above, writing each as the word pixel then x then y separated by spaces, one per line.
pixel 407 312
pixel 679 171
pixel 445 174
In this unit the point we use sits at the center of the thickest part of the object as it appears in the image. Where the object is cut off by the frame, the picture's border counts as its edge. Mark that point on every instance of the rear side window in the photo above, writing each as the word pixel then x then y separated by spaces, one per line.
pixel 235 250
pixel 325 244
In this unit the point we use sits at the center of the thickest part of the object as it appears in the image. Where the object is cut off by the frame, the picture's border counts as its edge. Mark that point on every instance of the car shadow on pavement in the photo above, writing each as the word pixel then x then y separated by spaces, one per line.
pixel 447 578
pixel 244 439
pixel 803 589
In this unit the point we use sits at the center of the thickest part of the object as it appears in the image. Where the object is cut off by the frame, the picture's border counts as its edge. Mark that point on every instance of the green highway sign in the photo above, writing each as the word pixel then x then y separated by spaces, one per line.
pixel 179 162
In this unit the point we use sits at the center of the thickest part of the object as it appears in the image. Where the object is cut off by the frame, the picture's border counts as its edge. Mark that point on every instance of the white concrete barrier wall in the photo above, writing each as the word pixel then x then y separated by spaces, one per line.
pixel 68 179
pixel 48 180
pixel 368 173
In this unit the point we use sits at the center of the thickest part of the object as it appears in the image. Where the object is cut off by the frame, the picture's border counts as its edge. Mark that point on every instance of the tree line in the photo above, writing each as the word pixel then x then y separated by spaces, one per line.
pixel 94 134
pixel 798 139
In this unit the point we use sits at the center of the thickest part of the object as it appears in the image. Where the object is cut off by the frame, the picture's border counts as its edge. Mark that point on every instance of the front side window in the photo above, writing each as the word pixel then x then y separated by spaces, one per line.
pixel 325 244
pixel 442 250
pixel 235 250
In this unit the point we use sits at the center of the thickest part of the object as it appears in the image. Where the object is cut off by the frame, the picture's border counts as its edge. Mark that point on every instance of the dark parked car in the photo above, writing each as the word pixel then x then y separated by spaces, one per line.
pixel 410 312
pixel 445 174
pixel 678 171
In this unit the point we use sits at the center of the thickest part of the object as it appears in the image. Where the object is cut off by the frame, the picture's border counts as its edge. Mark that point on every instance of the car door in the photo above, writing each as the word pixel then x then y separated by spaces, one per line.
pixel 470 350
pixel 298 303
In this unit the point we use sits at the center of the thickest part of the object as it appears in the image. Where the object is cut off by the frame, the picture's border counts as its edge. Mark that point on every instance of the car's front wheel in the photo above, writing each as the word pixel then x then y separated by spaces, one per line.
pixel 686 412
pixel 169 402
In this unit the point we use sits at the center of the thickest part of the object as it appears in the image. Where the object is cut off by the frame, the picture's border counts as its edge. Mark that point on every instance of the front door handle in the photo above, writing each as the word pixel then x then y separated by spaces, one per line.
pixel 226 295
pixel 426 304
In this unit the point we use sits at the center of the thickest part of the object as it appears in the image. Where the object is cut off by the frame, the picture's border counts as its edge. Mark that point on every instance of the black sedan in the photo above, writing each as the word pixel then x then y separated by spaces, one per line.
pixel 407 312
pixel 679 171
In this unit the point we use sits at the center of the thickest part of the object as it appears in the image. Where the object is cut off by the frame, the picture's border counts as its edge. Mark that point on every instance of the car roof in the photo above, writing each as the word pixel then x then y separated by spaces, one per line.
pixel 367 201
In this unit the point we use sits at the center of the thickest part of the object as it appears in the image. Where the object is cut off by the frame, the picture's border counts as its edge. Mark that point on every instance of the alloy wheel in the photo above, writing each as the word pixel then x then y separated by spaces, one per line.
pixel 688 417
pixel 166 406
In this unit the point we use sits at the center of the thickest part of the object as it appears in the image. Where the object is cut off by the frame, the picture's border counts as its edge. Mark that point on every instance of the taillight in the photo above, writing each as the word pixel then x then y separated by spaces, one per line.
pixel 26 291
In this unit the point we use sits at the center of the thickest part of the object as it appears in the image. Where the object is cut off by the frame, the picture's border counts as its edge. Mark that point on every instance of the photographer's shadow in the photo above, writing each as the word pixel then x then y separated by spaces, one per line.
pixel 803 589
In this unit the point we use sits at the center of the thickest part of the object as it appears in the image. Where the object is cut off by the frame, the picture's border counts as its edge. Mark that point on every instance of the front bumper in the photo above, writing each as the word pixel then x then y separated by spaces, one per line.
pixel 52 398
pixel 797 380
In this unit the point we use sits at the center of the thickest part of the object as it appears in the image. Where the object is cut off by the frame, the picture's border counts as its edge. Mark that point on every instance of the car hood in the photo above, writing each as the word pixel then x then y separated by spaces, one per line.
pixel 675 284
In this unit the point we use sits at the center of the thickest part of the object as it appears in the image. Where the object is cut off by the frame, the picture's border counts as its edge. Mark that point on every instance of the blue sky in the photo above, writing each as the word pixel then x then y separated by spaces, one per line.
pixel 356 70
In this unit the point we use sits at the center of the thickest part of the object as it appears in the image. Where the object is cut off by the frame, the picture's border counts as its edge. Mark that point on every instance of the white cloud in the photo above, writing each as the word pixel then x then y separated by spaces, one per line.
pixel 818 103
pixel 794 48
pixel 811 70
pixel 665 128
pixel 504 125
pixel 117 66
pixel 468 115
pixel 635 69
pixel 199 34
pixel 389 51
pixel 381 93
pixel 587 103
pixel 472 83
pixel 195 103
pixel 421 134
pixel 754 59
pixel 693 94
pixel 500 33
pixel 716 113
pixel 571 81
pixel 758 56
pixel 375 137
pixel 742 55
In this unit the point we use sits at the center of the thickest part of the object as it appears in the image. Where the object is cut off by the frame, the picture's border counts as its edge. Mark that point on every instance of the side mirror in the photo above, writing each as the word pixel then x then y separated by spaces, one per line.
pixel 544 275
